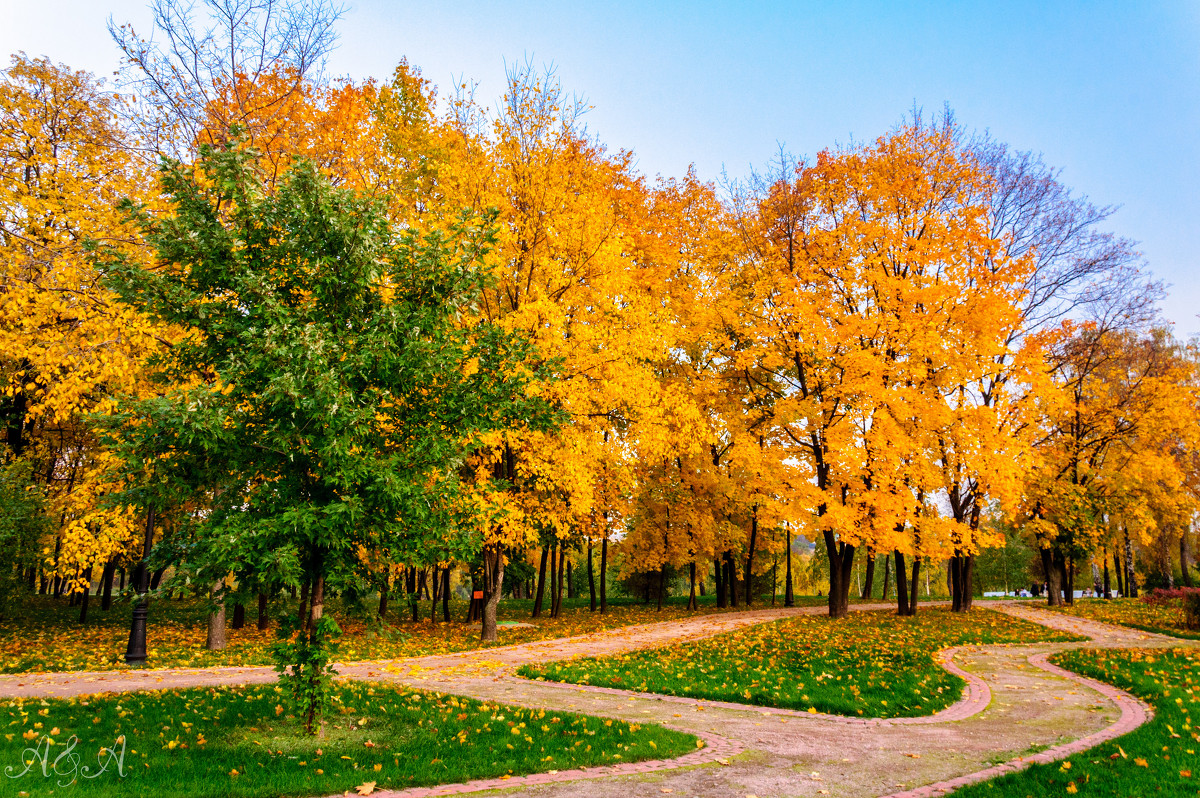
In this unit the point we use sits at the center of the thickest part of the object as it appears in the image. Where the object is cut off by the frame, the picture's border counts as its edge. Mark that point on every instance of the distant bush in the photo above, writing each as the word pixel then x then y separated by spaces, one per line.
pixel 1161 595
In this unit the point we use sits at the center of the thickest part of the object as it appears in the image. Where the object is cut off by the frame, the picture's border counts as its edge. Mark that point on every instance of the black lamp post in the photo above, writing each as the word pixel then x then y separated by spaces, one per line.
pixel 135 653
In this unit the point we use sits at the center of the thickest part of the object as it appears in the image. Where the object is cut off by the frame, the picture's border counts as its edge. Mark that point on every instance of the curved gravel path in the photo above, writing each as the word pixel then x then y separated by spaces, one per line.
pixel 1018 709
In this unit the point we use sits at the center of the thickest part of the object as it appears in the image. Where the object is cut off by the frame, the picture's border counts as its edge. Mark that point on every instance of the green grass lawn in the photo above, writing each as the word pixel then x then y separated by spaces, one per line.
pixel 239 742
pixel 1157 759
pixel 1164 618
pixel 873 664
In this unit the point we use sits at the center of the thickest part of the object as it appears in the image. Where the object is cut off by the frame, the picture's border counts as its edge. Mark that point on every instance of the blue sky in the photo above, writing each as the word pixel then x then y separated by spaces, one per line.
pixel 1109 92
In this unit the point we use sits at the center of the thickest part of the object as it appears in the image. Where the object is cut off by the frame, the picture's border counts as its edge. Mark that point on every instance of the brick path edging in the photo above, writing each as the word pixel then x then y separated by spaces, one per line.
pixel 976 697
pixel 715 748
pixel 1133 714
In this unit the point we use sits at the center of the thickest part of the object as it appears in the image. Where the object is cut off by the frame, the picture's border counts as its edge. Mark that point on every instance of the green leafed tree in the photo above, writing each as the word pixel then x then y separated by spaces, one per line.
pixel 332 377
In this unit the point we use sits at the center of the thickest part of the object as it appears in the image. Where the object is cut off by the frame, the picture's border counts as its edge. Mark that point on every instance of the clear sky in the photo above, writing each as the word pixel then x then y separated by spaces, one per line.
pixel 1107 91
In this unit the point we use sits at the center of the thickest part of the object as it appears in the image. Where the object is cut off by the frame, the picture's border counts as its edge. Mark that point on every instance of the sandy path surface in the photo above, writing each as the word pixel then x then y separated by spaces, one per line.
pixel 1014 709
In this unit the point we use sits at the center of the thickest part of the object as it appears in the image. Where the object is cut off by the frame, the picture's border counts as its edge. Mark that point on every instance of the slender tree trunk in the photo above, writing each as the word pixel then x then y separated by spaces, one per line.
pixel 1107 588
pixel 383 597
pixel 106 583
pixel 570 581
pixel 901 585
pixel 914 584
pixel 446 595
pixel 1068 578
pixel 887 575
pixel 263 619
pixel 731 585
pixel 1130 576
pixel 662 584
pixel 719 569
pixel 554 580
pixel 692 604
pixel 750 557
pixel 1185 558
pixel 789 599
pixel 591 580
pixel 869 578
pixel 1119 570
pixel 493 574
pixel 541 582
pixel 87 593
pixel 216 619
pixel 239 616
pixel 558 586
pixel 603 575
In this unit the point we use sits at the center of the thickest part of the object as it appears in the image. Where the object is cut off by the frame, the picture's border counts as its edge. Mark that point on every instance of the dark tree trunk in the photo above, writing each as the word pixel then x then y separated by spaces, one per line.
pixel 750 557
pixel 383 598
pixel 158 575
pixel 106 584
pixel 662 584
pixel 239 616
pixel 789 600
pixel 901 585
pixel 413 597
pixel 570 581
pixel 541 582
pixel 446 595
pixel 914 584
pixel 692 603
pixel 1053 571
pixel 302 614
pixel 603 576
pixel 961 573
pixel 558 583
pixel 1119 571
pixel 887 575
pixel 1107 586
pixel 1185 557
pixel 731 584
pixel 264 619
pixel 1068 577
pixel 87 593
pixel 869 577
pixel 591 580
pixel 841 570
pixel 719 569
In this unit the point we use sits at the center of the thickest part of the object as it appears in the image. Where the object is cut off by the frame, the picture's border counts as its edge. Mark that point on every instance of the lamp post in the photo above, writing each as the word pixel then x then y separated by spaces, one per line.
pixel 135 653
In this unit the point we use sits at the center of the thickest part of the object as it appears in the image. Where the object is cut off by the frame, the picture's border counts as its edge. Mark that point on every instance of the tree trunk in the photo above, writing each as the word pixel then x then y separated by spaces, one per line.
pixel 887 575
pixel 750 557
pixel 1184 559
pixel 87 593
pixel 446 595
pixel 558 588
pixel 603 576
pixel 869 578
pixel 914 584
pixel 1068 578
pixel 591 580
pixel 216 619
pixel 158 575
pixel 731 585
pixel 841 573
pixel 1130 577
pixel 662 584
pixel 263 619
pixel 555 579
pixel 493 577
pixel 1107 588
pixel 789 600
pixel 570 581
pixel 901 585
pixel 106 584
pixel 719 569
pixel 383 598
pixel 239 615
pixel 541 582
pixel 692 604
pixel 1053 578
pixel 1119 570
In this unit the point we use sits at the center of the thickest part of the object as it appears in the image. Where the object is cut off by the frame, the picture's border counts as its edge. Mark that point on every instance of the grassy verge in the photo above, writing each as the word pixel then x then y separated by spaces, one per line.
pixel 1158 758
pixel 1161 618
pixel 873 664
pixel 45 635
pixel 240 742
